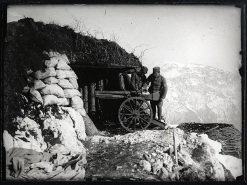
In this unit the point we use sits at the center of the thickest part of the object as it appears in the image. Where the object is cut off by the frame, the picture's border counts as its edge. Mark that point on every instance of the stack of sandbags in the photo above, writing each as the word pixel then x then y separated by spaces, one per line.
pixel 57 84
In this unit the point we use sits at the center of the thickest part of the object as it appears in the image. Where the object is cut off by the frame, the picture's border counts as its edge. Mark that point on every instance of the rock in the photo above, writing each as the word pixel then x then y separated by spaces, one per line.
pixel 146 157
pixel 164 174
pixel 216 146
pixel 80 175
pixel 233 164
pixel 185 157
pixel 119 167
pixel 157 165
pixel 62 131
pixel 106 141
pixel 29 136
pixel 59 148
pixel 184 142
pixel 98 139
pixel 219 173
pixel 79 124
pixel 146 165
pixel 8 140
pixel 154 154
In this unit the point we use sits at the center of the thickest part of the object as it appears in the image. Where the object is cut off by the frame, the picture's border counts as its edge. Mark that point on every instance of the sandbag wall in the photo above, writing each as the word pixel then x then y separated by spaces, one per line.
pixel 57 84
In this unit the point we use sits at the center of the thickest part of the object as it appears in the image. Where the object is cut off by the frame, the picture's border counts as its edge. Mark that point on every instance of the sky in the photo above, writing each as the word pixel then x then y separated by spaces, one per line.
pixel 197 34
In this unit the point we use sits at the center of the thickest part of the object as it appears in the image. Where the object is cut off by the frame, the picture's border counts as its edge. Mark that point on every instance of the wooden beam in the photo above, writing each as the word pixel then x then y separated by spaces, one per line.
pixel 85 97
pixel 92 97
pixel 109 96
pixel 114 92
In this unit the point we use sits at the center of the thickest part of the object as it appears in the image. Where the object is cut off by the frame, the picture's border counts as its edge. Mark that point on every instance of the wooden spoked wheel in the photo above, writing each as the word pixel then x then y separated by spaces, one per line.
pixel 134 114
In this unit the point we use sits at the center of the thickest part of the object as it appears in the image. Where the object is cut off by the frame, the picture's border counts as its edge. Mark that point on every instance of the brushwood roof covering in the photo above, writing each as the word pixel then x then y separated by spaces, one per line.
pixel 82 50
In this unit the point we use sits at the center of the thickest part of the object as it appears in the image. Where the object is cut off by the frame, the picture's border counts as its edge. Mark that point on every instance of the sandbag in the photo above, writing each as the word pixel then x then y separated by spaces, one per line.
pixel 70 93
pixel 66 74
pixel 82 112
pixel 73 81
pixel 63 101
pixel 65 84
pixel 53 54
pixel 51 80
pixel 62 64
pixel 52 62
pixel 35 96
pixel 65 58
pixel 38 84
pixel 76 102
pixel 48 72
pixel 54 100
pixel 58 56
pixel 53 89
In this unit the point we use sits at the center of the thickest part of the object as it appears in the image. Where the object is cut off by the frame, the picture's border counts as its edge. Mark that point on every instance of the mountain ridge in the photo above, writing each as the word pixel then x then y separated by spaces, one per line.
pixel 203 94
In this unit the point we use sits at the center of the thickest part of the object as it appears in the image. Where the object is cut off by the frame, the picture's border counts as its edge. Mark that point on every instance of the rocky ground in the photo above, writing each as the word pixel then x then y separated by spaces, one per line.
pixel 149 155
pixel 201 152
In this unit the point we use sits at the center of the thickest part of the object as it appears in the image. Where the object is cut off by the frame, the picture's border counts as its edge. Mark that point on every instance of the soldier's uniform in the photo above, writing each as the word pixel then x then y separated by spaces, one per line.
pixel 139 78
pixel 158 84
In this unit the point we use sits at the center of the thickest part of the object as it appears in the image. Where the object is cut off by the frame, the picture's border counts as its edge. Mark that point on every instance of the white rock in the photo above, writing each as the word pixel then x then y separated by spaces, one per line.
pixel 157 165
pixel 154 154
pixel 8 140
pixel 29 136
pixel 214 144
pixel 146 165
pixel 163 174
pixel 219 173
pixel 79 124
pixel 233 164
pixel 66 132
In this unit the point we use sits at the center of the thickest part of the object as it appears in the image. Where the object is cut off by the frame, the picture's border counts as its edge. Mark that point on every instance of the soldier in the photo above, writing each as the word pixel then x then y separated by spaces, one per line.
pixel 138 78
pixel 158 84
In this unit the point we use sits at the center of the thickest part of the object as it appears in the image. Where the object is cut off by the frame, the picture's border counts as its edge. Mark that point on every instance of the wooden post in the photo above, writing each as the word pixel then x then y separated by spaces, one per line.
pixel 92 97
pixel 176 154
pixel 105 83
pixel 121 81
pixel 85 97
pixel 175 147
pixel 100 85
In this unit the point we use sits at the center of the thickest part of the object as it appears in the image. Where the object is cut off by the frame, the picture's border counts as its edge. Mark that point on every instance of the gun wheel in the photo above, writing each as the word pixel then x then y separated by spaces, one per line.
pixel 134 114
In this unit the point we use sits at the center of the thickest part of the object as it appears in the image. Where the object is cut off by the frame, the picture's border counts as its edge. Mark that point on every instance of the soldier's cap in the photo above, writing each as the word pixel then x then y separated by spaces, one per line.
pixel 156 69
